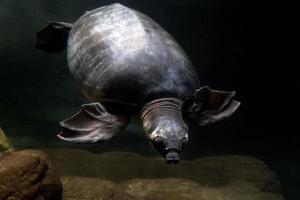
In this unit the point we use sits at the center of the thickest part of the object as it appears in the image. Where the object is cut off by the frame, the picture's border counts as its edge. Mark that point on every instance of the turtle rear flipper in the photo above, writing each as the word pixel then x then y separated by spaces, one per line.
pixel 92 124
pixel 53 37
pixel 209 106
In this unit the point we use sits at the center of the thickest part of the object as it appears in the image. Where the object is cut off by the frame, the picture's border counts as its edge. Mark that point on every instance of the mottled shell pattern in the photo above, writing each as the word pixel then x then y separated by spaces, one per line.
pixel 118 54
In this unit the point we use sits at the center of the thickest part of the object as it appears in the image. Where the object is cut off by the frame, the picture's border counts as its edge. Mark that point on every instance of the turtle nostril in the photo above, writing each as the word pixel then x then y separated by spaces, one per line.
pixel 172 157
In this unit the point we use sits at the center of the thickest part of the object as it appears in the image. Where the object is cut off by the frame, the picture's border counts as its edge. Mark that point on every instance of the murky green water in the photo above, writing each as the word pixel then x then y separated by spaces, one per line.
pixel 37 92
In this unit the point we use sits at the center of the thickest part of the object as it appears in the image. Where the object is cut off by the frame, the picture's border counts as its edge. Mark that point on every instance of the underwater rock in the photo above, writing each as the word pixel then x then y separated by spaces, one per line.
pixel 181 189
pixel 5 145
pixel 84 188
pixel 28 174
pixel 130 176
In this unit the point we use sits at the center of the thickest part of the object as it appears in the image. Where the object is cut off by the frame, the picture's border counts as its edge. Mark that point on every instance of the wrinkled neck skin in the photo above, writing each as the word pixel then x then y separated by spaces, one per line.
pixel 164 127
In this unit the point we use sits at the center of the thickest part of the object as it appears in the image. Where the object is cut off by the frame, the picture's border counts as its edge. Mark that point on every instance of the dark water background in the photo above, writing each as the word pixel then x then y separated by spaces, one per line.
pixel 248 46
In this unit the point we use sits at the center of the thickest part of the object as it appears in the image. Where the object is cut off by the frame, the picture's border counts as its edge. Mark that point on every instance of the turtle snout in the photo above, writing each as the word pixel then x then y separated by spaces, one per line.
pixel 172 157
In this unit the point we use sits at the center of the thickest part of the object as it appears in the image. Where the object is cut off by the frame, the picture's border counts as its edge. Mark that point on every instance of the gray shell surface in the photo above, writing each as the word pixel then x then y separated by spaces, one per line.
pixel 118 54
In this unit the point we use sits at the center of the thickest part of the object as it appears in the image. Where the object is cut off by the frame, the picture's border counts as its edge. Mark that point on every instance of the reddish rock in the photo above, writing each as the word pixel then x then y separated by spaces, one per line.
pixel 28 175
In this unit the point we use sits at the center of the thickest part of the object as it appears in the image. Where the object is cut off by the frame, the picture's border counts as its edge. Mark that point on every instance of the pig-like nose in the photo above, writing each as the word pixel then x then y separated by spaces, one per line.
pixel 172 157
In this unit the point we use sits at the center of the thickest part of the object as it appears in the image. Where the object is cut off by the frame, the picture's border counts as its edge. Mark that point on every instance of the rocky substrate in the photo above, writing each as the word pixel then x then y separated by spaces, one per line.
pixel 28 175
pixel 130 176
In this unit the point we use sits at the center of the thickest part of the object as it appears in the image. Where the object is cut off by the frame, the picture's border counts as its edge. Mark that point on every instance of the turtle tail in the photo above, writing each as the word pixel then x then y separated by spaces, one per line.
pixel 53 37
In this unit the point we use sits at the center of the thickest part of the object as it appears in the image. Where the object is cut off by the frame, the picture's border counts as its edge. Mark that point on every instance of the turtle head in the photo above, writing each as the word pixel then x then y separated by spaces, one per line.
pixel 165 128
pixel 168 135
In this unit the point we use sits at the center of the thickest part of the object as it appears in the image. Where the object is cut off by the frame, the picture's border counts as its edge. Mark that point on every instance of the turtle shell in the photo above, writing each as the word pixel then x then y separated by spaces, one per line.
pixel 121 55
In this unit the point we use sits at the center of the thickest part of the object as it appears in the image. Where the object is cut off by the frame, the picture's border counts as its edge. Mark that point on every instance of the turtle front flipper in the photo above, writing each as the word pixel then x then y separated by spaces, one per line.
pixel 209 106
pixel 53 37
pixel 92 124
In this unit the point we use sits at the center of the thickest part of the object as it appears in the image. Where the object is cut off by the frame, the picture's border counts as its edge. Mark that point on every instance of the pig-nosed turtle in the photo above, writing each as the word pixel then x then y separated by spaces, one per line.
pixel 123 59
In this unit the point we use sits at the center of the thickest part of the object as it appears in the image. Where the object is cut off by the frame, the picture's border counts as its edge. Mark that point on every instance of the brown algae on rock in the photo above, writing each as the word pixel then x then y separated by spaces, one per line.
pixel 5 145
pixel 28 175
